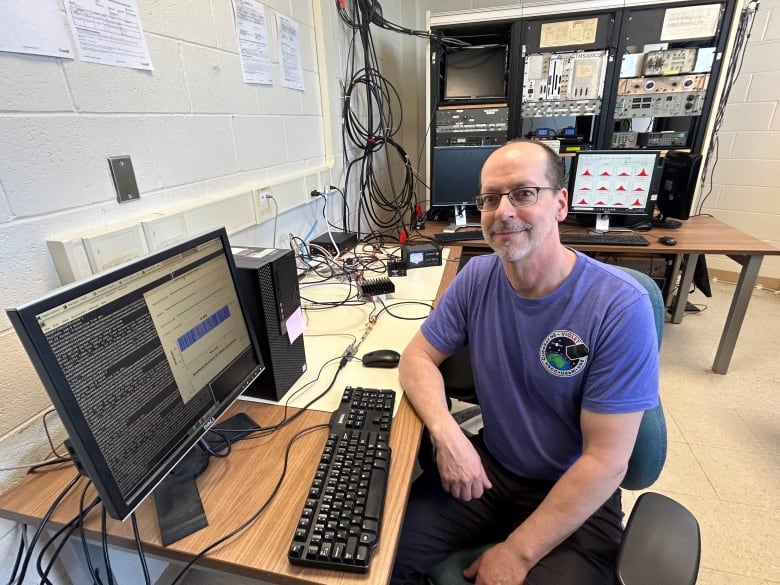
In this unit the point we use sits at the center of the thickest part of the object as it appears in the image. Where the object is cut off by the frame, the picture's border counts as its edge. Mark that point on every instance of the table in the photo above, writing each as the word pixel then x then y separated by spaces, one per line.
pixel 235 487
pixel 698 235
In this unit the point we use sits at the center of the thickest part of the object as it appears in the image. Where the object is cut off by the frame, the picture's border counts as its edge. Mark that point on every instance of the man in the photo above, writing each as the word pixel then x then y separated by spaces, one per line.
pixel 564 353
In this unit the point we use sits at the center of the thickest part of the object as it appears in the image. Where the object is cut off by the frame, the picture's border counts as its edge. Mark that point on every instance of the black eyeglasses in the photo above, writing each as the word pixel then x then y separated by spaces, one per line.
pixel 520 197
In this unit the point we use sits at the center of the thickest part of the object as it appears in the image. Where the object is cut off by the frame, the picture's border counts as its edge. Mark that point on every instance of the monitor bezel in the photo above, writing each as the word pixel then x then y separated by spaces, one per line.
pixel 448 94
pixel 652 194
pixel 468 199
pixel 87 455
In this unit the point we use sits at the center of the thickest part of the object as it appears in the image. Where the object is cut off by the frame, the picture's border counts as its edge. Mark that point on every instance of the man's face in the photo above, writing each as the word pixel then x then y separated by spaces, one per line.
pixel 515 232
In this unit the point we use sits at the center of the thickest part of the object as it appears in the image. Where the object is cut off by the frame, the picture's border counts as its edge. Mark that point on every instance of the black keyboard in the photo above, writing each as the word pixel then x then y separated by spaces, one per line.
pixel 605 239
pixel 461 236
pixel 341 518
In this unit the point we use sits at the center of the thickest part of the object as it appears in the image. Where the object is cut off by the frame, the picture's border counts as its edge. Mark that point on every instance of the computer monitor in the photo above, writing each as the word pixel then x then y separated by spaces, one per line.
pixel 456 172
pixel 475 73
pixel 141 360
pixel 617 187
pixel 676 188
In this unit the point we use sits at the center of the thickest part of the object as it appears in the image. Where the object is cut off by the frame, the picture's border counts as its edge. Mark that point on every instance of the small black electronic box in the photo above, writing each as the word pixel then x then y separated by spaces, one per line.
pixel 421 255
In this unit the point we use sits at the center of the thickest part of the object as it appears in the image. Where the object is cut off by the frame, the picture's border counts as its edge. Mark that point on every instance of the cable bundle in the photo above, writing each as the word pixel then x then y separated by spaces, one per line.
pixel 370 123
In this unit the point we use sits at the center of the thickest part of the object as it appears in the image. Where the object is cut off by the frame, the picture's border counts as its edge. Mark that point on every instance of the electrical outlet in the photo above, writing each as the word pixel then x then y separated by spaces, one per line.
pixel 264 208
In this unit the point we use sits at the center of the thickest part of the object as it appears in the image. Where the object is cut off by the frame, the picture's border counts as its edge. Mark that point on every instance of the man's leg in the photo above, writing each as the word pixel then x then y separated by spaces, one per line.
pixel 588 556
pixel 436 525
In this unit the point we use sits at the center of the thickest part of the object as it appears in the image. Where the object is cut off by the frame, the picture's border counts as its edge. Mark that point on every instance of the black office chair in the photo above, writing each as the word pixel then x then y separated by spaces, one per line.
pixel 661 542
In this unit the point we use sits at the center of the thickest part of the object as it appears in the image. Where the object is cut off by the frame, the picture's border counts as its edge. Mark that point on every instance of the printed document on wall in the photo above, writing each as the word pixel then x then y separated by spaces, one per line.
pixel 109 33
pixel 253 41
pixel 35 27
pixel 289 52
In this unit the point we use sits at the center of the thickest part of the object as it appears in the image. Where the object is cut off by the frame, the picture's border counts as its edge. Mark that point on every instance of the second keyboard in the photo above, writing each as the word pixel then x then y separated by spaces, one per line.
pixel 604 239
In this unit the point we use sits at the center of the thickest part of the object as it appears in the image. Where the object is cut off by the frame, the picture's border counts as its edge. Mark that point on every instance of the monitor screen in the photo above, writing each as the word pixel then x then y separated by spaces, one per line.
pixel 475 73
pixel 139 362
pixel 456 172
pixel 614 182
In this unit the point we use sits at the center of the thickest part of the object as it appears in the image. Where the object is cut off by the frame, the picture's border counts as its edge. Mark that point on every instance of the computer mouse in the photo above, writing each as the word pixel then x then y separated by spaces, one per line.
pixel 667 241
pixel 381 358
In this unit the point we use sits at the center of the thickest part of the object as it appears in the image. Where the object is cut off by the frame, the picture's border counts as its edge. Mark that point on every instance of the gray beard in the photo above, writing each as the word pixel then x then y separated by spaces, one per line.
pixel 510 251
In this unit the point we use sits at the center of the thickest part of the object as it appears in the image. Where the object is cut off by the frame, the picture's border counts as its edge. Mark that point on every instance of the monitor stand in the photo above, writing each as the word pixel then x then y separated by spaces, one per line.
pixel 177 500
pixel 606 223
pixel 461 220
pixel 602 223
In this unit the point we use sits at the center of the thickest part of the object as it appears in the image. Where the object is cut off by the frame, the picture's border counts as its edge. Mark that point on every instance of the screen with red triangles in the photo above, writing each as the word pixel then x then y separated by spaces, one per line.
pixel 616 181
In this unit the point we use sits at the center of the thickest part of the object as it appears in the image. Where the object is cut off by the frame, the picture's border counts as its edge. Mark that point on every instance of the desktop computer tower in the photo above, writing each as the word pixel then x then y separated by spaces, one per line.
pixel 268 284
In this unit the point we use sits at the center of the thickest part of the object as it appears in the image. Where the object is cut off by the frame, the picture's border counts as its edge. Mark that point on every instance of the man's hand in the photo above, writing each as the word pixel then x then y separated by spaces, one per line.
pixel 460 467
pixel 498 565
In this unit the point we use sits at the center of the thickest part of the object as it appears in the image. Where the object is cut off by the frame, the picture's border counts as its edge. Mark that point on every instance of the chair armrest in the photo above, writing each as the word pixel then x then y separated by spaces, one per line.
pixel 661 544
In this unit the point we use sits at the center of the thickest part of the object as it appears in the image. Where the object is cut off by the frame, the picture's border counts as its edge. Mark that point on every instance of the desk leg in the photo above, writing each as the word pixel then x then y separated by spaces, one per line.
pixel 681 298
pixel 739 305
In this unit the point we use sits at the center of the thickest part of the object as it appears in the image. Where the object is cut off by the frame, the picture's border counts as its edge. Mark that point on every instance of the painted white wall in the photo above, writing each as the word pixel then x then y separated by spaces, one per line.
pixel 746 182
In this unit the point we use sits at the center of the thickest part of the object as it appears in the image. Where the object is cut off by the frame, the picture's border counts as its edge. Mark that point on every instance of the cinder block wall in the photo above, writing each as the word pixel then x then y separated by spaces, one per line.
pixel 195 132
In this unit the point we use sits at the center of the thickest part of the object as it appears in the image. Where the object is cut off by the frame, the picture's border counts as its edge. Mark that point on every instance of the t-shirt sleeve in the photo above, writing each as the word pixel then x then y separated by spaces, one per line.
pixel 623 376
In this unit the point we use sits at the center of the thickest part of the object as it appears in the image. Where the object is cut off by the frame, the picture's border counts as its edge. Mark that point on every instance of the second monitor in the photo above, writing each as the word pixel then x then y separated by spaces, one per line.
pixel 616 187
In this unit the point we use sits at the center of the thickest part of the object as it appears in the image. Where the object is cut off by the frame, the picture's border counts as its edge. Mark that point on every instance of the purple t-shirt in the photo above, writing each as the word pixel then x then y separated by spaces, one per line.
pixel 590 344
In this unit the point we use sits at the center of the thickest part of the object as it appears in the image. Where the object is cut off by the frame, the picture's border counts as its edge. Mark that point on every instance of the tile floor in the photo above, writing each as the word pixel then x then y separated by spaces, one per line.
pixel 724 437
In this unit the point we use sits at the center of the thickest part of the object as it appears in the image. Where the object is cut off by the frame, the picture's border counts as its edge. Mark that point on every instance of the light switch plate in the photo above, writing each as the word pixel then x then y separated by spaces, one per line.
pixel 124 178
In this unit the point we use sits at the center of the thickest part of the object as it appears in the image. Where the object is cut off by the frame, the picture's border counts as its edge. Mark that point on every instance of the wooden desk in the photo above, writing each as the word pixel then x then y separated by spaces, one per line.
pixel 698 235
pixel 234 488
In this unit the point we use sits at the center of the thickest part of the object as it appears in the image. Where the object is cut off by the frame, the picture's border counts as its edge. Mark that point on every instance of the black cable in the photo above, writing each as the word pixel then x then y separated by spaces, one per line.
pixel 104 543
pixel 65 532
pixel 48 434
pixel 139 547
pixel 57 461
pixel 44 521
pixel 267 430
pixel 244 525
pixel 95 574
pixel 19 553
pixel 386 309
pixel 204 444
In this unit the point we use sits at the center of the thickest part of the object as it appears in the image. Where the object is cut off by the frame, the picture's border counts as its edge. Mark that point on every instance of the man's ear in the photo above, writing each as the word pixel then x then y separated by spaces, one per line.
pixel 562 209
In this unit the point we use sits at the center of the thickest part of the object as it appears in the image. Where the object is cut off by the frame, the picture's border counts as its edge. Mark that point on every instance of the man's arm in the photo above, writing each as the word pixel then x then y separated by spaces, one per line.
pixel 608 440
pixel 459 464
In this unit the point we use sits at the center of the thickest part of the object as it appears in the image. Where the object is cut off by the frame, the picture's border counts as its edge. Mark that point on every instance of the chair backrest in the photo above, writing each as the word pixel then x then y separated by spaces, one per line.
pixel 649 454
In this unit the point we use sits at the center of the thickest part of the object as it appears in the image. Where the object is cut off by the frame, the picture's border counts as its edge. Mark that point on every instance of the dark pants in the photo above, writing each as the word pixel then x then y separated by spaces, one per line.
pixel 436 525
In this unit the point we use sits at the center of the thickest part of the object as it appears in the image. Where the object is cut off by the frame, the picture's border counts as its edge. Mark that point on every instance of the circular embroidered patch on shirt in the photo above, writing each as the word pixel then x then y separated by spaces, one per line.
pixel 563 354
